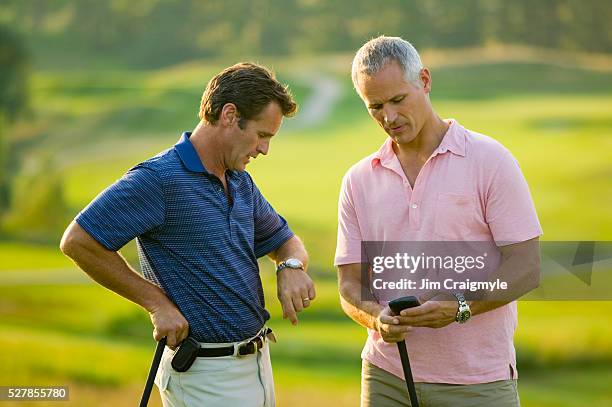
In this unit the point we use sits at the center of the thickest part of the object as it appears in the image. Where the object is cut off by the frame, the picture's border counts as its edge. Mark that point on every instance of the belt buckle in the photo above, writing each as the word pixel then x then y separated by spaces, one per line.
pixel 245 348
pixel 250 346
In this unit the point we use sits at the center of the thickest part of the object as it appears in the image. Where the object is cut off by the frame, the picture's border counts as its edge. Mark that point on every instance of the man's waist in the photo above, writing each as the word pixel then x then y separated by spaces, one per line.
pixel 227 332
pixel 241 348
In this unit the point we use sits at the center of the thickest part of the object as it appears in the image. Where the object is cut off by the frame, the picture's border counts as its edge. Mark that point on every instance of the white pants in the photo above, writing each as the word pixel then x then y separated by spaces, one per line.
pixel 224 381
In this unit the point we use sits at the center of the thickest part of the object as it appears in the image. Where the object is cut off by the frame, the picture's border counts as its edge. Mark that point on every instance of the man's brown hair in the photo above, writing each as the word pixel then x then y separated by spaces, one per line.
pixel 250 87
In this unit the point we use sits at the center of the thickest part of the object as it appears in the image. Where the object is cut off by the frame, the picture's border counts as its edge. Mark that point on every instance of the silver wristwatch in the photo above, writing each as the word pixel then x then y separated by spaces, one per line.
pixel 291 264
pixel 463 313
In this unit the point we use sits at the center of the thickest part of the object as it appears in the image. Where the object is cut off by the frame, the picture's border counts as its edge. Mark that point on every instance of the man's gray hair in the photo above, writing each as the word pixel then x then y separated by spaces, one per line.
pixel 377 52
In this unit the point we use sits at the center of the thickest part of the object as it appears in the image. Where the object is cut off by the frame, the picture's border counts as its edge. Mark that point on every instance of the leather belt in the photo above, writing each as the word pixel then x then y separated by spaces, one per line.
pixel 240 349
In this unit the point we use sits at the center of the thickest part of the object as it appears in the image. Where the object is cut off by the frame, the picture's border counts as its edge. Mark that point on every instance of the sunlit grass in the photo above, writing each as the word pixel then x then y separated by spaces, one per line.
pixel 98 125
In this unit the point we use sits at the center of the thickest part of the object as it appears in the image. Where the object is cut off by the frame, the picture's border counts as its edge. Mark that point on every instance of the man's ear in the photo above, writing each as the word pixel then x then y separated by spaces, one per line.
pixel 425 77
pixel 229 115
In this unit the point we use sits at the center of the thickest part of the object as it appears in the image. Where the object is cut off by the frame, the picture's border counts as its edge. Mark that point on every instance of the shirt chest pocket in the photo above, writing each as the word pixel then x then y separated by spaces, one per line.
pixel 456 217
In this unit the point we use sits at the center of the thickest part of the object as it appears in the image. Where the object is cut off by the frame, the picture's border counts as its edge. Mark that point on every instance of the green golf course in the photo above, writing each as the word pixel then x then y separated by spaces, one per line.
pixel 89 127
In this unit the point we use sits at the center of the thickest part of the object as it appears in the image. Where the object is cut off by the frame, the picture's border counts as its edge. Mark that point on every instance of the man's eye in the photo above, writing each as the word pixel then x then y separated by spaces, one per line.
pixel 375 107
pixel 398 100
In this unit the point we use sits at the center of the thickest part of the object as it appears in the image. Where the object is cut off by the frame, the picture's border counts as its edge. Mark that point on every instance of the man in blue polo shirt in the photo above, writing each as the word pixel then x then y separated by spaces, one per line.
pixel 200 224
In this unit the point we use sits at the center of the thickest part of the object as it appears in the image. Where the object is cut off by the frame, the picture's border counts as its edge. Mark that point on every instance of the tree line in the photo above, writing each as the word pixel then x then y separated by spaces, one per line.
pixel 166 31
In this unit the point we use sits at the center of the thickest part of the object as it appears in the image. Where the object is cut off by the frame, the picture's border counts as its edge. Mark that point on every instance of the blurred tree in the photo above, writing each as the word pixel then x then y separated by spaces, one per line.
pixel 13 98
pixel 150 33
pixel 38 205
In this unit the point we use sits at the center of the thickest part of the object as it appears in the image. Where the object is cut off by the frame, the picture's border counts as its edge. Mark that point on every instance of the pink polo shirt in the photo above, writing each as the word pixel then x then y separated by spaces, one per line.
pixel 471 189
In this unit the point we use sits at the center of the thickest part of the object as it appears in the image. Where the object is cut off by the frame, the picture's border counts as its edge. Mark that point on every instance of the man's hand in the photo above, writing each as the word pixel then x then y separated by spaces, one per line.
pixel 390 326
pixel 170 323
pixel 111 270
pixel 295 291
pixel 434 313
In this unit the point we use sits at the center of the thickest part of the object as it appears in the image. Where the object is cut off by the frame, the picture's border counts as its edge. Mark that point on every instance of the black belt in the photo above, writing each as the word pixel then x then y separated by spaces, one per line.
pixel 243 349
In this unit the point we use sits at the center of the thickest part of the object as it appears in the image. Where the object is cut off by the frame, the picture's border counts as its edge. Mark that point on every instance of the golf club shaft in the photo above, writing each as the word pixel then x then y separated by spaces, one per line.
pixel 152 372
pixel 401 346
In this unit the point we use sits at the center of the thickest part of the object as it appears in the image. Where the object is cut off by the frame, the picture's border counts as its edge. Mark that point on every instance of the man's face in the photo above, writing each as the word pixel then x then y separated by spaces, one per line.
pixel 396 104
pixel 254 139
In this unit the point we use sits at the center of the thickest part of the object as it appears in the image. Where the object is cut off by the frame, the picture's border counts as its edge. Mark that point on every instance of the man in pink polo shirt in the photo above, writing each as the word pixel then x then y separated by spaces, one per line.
pixel 432 180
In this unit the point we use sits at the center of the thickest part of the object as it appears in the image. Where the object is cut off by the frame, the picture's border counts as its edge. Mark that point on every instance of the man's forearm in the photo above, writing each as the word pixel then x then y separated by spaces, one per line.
pixel 110 269
pixel 292 248
pixel 365 313
pixel 519 268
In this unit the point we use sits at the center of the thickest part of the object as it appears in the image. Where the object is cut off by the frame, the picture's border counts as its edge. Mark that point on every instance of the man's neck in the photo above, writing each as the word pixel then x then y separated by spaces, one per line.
pixel 424 144
pixel 207 143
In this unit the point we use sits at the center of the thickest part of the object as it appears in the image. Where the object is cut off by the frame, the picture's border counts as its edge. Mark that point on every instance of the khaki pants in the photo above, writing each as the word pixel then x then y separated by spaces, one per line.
pixel 225 381
pixel 380 388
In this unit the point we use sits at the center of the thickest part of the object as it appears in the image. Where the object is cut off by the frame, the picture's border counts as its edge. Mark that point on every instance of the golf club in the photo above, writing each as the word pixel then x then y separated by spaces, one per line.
pixel 152 372
pixel 397 306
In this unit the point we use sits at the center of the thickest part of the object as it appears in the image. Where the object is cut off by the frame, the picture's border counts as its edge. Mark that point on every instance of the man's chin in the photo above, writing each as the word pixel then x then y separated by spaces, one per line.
pixel 405 137
pixel 402 138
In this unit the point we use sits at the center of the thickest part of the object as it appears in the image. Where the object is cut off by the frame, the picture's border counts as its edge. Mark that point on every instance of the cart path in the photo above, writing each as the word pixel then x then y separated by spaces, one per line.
pixel 325 93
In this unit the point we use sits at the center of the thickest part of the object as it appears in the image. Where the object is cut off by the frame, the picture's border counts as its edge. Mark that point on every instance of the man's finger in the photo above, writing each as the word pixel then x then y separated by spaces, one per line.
pixel 426 296
pixel 298 304
pixel 305 298
pixel 420 310
pixel 184 334
pixel 288 310
pixel 424 320
pixel 312 294
pixel 284 306
pixel 387 319
pixel 399 329
pixel 171 340
pixel 292 317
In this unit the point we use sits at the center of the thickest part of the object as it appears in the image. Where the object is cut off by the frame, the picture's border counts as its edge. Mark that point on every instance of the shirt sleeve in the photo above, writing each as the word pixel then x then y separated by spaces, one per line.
pixel 348 245
pixel 130 207
pixel 271 229
pixel 510 212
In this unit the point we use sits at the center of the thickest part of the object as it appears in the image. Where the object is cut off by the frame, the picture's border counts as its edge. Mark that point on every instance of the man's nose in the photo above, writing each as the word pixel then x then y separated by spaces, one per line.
pixel 263 147
pixel 389 115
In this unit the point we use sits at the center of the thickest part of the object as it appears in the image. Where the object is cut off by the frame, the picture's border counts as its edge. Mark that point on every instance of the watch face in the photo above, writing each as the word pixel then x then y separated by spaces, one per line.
pixel 464 316
pixel 294 263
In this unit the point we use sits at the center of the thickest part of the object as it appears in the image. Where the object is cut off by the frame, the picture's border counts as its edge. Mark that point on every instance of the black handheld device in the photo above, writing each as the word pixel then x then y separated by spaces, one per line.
pixel 185 355
pixel 399 304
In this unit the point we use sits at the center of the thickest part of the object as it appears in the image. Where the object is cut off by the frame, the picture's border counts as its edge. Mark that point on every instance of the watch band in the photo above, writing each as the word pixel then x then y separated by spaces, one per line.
pixel 290 263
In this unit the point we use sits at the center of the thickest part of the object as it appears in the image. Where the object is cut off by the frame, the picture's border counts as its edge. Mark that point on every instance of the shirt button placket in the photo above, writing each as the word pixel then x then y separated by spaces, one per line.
pixel 414 214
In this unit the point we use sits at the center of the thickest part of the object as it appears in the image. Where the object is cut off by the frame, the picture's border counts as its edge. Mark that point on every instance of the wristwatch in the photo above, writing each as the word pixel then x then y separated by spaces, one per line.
pixel 291 264
pixel 463 313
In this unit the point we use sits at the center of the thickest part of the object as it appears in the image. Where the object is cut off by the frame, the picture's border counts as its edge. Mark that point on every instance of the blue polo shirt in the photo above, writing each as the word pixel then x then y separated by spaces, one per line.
pixel 197 245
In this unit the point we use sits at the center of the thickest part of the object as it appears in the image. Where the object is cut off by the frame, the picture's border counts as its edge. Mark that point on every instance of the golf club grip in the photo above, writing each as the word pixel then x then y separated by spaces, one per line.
pixel 159 350
pixel 401 346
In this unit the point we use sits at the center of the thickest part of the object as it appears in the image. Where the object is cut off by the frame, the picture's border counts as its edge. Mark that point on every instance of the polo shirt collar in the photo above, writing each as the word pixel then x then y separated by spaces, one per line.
pixel 191 160
pixel 188 154
pixel 453 141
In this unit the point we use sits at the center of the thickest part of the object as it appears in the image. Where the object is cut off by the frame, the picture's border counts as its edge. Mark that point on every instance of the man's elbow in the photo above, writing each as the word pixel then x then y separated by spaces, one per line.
pixel 536 272
pixel 66 243
pixel 345 291
pixel 70 241
pixel 530 280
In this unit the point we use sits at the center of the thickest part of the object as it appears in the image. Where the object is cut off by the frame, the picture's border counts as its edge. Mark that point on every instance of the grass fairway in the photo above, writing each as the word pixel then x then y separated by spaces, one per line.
pixel 555 120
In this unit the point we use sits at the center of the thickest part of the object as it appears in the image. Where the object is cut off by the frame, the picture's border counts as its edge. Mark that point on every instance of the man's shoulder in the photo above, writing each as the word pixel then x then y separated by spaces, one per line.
pixel 362 167
pixel 165 162
pixel 484 147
